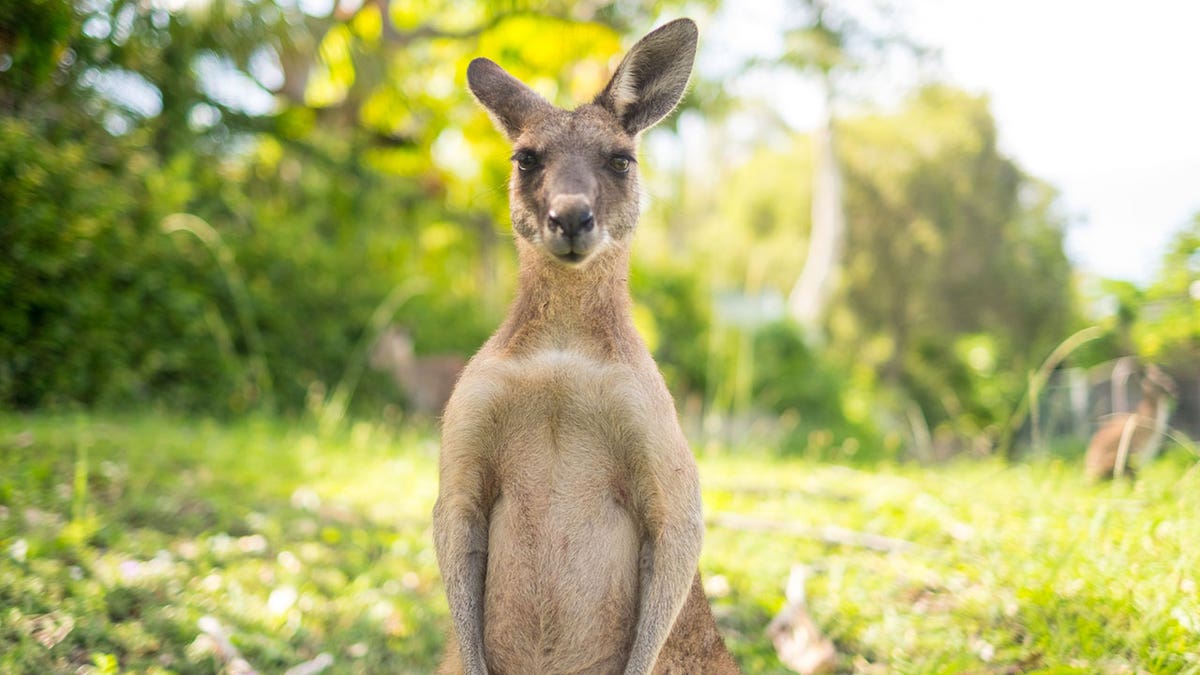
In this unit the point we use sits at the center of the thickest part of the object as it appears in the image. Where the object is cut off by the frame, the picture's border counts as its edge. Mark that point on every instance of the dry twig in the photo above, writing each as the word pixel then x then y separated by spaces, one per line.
pixel 798 642
pixel 829 534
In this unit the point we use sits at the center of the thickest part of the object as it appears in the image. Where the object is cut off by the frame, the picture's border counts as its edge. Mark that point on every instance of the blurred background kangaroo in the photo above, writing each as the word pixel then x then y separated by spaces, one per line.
pixel 425 381
pixel 1124 436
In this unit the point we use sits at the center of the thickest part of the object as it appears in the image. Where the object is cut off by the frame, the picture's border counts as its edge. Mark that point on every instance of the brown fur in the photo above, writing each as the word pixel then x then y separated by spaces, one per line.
pixel 1101 459
pixel 568 523
pixel 426 381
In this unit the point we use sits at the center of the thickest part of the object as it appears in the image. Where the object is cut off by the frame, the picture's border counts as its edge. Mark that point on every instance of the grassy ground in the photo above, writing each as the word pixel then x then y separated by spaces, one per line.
pixel 142 544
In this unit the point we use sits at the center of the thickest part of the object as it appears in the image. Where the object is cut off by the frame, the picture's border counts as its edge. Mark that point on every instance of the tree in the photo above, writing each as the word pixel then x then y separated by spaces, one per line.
pixel 948 237
pixel 954 282
pixel 1166 326
pixel 831 43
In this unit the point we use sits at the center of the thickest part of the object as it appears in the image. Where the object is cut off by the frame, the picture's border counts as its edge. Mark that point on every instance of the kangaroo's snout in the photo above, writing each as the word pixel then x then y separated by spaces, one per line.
pixel 571 227
pixel 571 215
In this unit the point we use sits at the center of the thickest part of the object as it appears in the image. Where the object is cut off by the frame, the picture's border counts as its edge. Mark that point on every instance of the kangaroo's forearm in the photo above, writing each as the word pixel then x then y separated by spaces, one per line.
pixel 669 564
pixel 461 544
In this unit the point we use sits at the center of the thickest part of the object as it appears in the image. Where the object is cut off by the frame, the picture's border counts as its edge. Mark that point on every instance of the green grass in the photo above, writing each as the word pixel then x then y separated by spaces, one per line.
pixel 121 536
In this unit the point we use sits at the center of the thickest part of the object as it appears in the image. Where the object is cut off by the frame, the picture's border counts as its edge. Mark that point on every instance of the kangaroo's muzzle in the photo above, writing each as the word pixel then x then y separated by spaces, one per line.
pixel 571 233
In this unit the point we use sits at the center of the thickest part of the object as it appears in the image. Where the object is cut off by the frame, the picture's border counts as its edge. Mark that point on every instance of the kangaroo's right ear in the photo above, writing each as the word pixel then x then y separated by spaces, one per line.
pixel 511 104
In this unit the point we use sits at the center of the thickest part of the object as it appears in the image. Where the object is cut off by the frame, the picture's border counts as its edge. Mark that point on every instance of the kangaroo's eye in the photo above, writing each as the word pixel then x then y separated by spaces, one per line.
pixel 620 164
pixel 526 161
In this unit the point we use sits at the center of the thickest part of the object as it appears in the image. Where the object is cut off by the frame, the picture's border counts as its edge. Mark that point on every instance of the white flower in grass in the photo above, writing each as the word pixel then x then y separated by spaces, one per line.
pixel 716 586
pixel 306 499
pixel 1188 621
pixel 221 544
pixel 211 583
pixel 288 561
pixel 281 600
pixel 130 570
pixel 254 543
pixel 18 550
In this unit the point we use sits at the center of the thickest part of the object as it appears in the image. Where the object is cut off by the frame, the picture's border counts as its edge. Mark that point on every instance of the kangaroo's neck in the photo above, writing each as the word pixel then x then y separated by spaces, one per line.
pixel 585 308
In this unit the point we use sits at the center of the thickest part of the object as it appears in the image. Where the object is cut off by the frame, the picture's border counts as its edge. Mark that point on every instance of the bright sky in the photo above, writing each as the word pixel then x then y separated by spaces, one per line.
pixel 1100 98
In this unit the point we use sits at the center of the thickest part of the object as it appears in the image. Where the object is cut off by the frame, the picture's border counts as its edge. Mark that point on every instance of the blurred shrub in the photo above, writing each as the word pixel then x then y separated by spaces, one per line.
pixel 98 306
pixel 803 385
pixel 102 307
pixel 1158 323
pixel 1167 329
pixel 674 299
pixel 110 124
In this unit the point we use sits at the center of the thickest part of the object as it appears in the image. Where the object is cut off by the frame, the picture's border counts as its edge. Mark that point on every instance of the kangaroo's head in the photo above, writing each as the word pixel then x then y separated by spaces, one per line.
pixel 574 187
pixel 393 348
pixel 1156 384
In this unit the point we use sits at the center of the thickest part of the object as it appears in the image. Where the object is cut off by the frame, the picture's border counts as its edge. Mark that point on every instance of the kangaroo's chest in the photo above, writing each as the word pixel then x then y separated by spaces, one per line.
pixel 568 433
pixel 563 539
pixel 559 408
pixel 569 430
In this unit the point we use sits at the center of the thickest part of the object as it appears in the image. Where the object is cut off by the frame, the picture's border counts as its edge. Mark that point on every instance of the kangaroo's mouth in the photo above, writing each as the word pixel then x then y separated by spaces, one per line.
pixel 570 250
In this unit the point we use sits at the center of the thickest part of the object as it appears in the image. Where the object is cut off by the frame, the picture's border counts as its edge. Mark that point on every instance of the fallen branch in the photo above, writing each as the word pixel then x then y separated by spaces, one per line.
pixel 312 667
pixel 828 534
pixel 235 664
pixel 224 649
pixel 51 629
pixel 770 490
pixel 798 642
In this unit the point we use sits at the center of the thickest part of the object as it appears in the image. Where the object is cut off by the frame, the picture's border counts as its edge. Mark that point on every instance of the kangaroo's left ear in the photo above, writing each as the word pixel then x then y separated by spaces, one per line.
pixel 650 80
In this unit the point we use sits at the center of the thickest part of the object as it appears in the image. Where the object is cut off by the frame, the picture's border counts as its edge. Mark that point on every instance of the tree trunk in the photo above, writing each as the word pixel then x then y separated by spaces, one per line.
pixel 810 296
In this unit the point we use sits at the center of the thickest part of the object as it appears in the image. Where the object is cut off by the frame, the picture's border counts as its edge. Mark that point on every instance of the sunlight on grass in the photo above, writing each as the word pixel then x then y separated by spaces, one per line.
pixel 1022 566
pixel 142 543
pixel 293 544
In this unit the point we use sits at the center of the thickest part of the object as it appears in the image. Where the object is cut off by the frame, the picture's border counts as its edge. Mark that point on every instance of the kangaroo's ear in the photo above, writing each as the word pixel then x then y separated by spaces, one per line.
pixel 650 80
pixel 511 104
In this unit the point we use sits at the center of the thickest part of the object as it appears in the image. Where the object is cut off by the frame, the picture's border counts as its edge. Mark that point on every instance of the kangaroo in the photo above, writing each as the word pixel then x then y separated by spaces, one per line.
pixel 568 523
pixel 425 380
pixel 1124 435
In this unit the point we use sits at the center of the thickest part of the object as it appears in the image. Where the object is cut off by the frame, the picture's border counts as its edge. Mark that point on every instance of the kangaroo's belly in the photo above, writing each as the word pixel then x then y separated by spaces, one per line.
pixel 561 588
pixel 559 599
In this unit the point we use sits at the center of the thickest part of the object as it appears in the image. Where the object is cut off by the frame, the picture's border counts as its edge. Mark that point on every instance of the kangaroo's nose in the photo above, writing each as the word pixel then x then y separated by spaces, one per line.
pixel 572 215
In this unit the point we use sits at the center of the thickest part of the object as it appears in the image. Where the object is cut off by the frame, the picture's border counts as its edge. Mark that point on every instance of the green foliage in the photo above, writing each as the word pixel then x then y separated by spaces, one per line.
pixel 674 305
pixel 757 236
pixel 945 233
pixel 34 36
pixel 1115 308
pixel 97 305
pixel 1160 322
pixel 334 157
pixel 1167 329
pixel 803 385
pixel 935 306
